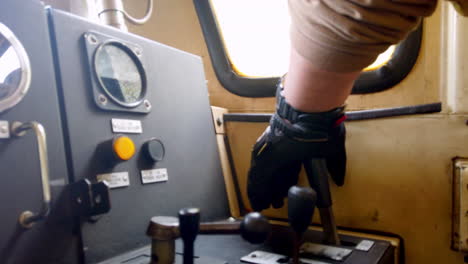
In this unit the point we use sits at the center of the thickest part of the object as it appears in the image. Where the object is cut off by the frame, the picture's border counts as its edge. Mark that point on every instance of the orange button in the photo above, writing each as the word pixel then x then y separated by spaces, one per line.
pixel 124 147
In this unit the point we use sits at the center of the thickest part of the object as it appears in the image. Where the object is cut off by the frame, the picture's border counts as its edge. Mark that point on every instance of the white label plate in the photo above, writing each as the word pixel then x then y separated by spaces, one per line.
pixel 365 245
pixel 156 175
pixel 262 257
pixel 4 129
pixel 126 126
pixel 115 179
pixel 329 252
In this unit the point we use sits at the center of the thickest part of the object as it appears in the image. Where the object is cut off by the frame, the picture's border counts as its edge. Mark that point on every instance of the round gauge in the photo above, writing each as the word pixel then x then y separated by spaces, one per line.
pixel 15 69
pixel 120 73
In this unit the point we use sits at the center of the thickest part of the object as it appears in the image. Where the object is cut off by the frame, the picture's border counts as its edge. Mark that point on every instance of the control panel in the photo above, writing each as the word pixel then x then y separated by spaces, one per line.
pixel 137 116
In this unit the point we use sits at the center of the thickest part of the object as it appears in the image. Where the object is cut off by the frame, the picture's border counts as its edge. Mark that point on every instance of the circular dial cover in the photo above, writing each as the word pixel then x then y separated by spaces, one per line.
pixel 120 73
pixel 15 69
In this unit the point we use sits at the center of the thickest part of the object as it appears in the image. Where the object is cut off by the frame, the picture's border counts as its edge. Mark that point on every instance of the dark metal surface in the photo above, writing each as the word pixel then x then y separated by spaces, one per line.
pixel 230 248
pixel 51 240
pixel 351 116
pixel 180 117
pixel 385 77
pixel 89 199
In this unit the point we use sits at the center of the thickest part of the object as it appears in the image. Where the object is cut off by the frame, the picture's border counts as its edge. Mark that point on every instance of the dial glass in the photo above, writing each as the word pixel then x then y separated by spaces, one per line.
pixel 120 74
pixel 14 69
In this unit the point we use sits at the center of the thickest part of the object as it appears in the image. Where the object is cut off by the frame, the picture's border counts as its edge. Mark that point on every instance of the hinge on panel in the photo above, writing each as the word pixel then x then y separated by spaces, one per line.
pixel 90 199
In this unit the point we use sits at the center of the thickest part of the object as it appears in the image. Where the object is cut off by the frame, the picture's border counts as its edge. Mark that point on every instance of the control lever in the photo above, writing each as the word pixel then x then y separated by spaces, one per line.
pixel 189 224
pixel 317 173
pixel 163 231
pixel 254 228
pixel 301 206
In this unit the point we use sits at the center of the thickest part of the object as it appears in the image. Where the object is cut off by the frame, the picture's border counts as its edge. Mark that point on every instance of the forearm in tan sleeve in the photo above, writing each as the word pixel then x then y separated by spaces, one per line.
pixel 461 6
pixel 347 35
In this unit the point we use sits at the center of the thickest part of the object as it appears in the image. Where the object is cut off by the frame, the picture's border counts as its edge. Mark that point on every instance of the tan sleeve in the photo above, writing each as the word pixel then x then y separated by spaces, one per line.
pixel 348 35
pixel 461 6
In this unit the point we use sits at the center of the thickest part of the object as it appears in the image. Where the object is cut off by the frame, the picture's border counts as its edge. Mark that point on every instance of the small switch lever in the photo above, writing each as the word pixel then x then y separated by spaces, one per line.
pixel 163 230
pixel 301 205
pixel 189 224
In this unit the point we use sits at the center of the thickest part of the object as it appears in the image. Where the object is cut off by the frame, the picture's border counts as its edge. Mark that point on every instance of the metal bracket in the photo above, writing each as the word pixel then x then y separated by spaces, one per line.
pixel 90 199
pixel 460 206
pixel 4 129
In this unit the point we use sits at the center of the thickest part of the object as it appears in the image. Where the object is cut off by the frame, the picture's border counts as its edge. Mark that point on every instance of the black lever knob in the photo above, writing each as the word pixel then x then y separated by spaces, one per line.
pixel 255 228
pixel 301 205
pixel 189 224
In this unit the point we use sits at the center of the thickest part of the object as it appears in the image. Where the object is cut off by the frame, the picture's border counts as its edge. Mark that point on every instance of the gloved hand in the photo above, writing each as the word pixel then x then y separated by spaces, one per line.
pixel 291 138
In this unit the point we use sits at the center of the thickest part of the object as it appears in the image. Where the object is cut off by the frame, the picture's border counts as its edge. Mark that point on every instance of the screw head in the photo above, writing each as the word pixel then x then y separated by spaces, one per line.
pixel 147 104
pixel 102 99
pixel 92 39
pixel 137 51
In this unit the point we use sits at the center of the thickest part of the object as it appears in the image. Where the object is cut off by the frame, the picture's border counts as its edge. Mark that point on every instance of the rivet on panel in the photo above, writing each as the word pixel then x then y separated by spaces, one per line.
pixel 102 99
pixel 137 51
pixel 92 39
pixel 147 104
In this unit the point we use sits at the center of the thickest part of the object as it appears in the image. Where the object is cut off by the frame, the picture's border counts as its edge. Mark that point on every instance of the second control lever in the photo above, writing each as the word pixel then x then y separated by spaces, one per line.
pixel 163 231
pixel 301 206
pixel 189 224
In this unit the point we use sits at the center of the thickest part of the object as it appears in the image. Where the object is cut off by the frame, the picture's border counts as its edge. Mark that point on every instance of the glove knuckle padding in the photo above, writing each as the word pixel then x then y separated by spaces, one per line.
pixel 292 138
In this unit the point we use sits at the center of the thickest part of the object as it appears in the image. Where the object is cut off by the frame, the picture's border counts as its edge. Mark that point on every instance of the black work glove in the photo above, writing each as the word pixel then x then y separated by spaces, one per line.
pixel 292 138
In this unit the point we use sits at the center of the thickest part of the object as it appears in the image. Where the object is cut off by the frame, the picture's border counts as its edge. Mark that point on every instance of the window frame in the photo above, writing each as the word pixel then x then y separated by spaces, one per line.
pixel 381 79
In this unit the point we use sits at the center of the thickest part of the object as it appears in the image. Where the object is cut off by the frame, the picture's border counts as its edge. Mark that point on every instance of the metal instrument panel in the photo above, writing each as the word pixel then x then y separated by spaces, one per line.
pixel 50 240
pixel 180 118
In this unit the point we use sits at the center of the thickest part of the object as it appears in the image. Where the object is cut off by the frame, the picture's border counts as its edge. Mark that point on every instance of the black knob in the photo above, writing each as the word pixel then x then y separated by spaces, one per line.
pixel 189 224
pixel 255 228
pixel 301 205
pixel 154 150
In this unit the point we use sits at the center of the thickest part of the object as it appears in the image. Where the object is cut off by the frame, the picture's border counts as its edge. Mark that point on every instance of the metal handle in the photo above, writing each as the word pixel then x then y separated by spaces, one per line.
pixel 27 219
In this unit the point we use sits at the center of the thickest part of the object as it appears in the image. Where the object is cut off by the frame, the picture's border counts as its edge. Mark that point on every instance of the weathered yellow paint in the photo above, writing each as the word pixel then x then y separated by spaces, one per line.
pixel 221 139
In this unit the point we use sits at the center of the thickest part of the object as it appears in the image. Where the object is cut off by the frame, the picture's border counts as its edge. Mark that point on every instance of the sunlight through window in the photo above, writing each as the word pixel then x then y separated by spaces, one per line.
pixel 255 34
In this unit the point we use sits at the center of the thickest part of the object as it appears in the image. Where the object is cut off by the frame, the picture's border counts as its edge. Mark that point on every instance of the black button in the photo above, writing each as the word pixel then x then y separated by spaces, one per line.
pixel 154 150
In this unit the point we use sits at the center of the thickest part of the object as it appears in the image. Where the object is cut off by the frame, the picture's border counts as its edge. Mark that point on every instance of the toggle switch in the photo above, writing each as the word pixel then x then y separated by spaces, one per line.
pixel 153 150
